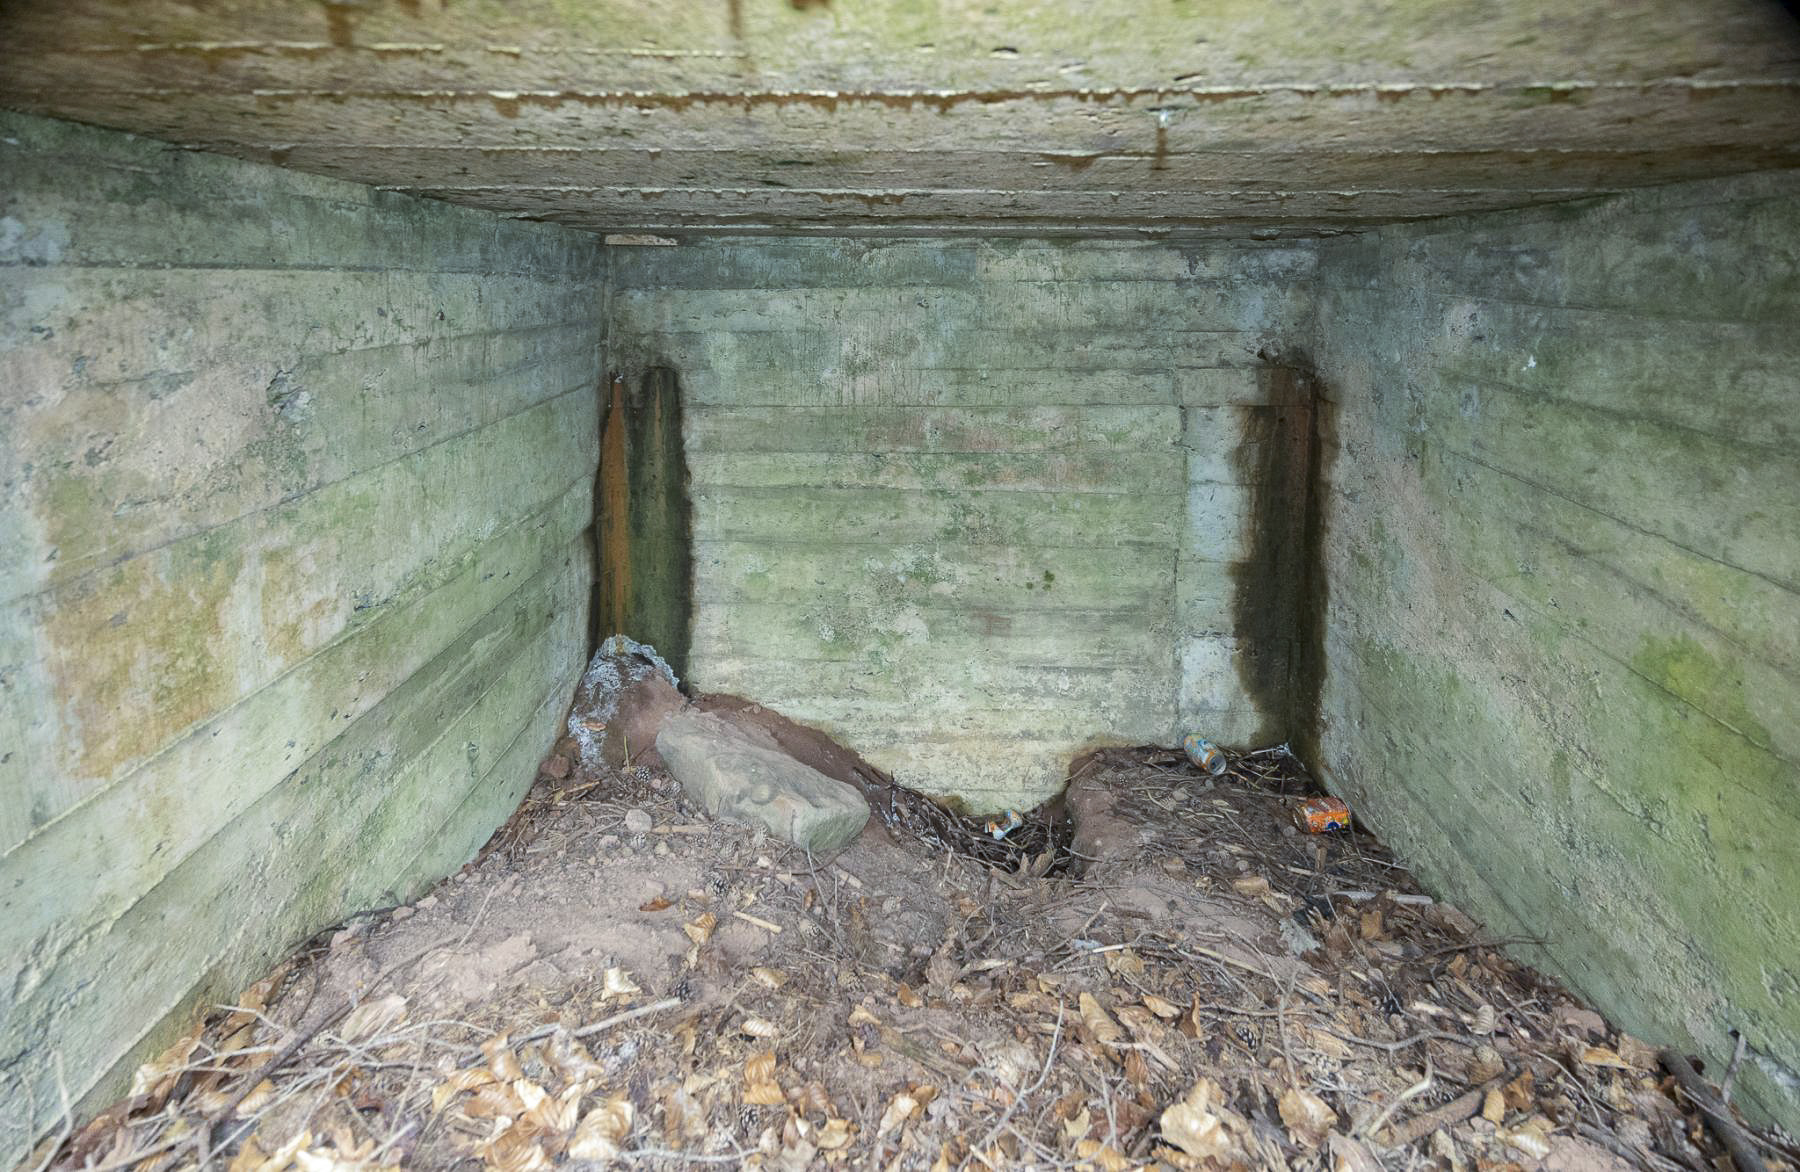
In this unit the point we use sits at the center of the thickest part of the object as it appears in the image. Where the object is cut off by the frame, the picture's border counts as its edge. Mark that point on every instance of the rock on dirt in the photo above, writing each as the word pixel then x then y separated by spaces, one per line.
pixel 738 772
pixel 625 696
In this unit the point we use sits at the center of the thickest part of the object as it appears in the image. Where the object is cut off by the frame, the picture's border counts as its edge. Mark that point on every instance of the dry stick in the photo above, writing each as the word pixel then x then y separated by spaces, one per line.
pixel 1455 1111
pixel 67 1127
pixel 1403 1043
pixel 1737 1060
pixel 1387 1112
pixel 1716 1114
pixel 1000 1125
pixel 203 1134
pixel 586 1031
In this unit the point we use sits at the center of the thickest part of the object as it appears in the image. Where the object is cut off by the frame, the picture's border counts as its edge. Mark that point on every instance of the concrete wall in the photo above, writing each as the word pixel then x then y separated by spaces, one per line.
pixel 292 493
pixel 970 507
pixel 1563 551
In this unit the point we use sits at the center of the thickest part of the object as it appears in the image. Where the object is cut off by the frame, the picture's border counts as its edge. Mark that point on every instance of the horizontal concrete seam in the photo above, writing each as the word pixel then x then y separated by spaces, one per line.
pixel 1784 453
pixel 1376 624
pixel 58 584
pixel 409 592
pixel 1622 310
pixel 904 548
pixel 933 97
pixel 1789 587
pixel 944 491
pixel 236 941
pixel 551 697
pixel 481 375
pixel 221 267
pixel 926 192
pixel 1157 545
pixel 1452 748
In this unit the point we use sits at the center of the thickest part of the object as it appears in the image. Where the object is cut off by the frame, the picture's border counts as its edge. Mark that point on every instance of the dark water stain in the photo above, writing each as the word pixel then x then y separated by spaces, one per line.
pixel 1072 162
pixel 734 10
pixel 1278 602
pixel 1159 161
pixel 646 518
pixel 340 24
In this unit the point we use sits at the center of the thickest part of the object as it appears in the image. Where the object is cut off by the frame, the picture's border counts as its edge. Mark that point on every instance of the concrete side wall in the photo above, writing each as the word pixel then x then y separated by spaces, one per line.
pixel 1563 553
pixel 970 507
pixel 293 489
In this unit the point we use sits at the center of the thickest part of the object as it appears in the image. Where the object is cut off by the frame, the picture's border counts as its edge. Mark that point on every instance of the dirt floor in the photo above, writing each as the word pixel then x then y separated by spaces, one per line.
pixel 1186 982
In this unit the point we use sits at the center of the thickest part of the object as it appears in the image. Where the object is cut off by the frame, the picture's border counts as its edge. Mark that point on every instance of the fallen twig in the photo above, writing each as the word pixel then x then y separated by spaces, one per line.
pixel 1455 1111
pixel 471 1057
pixel 1716 1113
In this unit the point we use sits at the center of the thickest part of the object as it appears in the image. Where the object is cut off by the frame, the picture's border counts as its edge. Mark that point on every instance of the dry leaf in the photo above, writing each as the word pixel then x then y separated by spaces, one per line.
pixel 1196 1125
pixel 1251 886
pixel 1125 963
pixel 1531 1137
pixel 1077 1128
pixel 618 983
pixel 1484 1022
pixel 1137 1071
pixel 1108 1158
pixel 656 905
pixel 834 1135
pixel 769 978
pixel 284 1155
pixel 701 929
pixel 500 1058
pixel 861 1016
pixel 250 1158
pixel 1601 1056
pixel 1349 1155
pixel 153 1081
pixel 811 1099
pixel 493 1101
pixel 1309 1118
pixel 759 1027
pixel 372 1017
pixel 1167 1010
pixel 571 1061
pixel 902 1108
pixel 905 996
pixel 1493 1107
pixel 760 1087
pixel 1099 1023
pixel 1517 1093
pixel 259 1097
pixel 457 1083
pixel 1142 1024
pixel 515 1150
pixel 602 1130
pixel 1636 1054
pixel 1369 927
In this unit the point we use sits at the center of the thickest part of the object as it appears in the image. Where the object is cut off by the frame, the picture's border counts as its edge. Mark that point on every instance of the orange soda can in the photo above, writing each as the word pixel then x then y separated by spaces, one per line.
pixel 1317 815
pixel 1205 754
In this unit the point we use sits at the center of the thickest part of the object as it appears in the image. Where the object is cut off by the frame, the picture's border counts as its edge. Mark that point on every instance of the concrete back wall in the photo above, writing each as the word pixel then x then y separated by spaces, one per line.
pixel 970 507
pixel 1563 552
pixel 292 495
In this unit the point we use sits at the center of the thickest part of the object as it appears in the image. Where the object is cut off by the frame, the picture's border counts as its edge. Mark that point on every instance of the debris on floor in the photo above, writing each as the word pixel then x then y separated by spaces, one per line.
pixel 1162 971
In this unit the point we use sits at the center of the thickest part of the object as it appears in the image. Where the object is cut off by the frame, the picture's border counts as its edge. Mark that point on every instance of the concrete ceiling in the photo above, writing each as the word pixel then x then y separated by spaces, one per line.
pixel 1265 117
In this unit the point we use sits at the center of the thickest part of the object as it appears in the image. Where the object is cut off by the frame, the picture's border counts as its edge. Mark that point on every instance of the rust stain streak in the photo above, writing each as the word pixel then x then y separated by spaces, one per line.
pixel 614 508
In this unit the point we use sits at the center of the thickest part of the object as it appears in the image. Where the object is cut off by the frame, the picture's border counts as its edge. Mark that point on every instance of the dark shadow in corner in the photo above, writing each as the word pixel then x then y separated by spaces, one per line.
pixel 1283 459
pixel 644 527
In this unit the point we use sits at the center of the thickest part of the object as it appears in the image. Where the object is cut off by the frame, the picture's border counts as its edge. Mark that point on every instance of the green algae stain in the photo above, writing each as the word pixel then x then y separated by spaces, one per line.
pixel 1682 666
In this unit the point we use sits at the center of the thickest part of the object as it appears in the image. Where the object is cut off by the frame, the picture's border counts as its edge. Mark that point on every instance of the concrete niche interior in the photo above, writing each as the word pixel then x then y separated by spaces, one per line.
pixel 1412 383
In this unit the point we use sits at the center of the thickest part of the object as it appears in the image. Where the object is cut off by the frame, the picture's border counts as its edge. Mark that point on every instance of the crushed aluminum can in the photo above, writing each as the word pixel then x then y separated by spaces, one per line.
pixel 1318 815
pixel 1204 754
pixel 1001 827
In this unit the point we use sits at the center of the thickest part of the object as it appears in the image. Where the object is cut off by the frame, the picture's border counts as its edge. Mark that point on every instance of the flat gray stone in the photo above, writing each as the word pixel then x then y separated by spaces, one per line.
pixel 741 777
